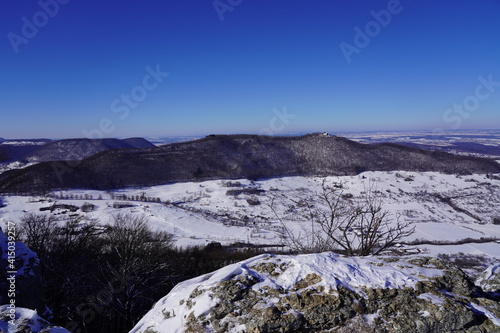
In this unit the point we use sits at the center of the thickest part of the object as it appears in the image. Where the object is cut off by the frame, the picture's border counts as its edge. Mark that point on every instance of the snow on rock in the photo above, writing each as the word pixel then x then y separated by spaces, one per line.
pixel 21 320
pixel 25 258
pixel 315 292
pixel 20 264
pixel 482 310
pixel 489 280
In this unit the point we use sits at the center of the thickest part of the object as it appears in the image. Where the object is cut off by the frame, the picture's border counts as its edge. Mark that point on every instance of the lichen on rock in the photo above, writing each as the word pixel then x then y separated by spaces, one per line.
pixel 489 280
pixel 329 293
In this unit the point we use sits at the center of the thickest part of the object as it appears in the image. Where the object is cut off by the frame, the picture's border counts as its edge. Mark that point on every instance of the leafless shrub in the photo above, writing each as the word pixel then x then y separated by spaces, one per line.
pixel 462 241
pixel 248 191
pixel 253 201
pixel 356 227
pixel 470 262
pixel 38 231
pixel 118 205
pixel 231 184
pixel 87 207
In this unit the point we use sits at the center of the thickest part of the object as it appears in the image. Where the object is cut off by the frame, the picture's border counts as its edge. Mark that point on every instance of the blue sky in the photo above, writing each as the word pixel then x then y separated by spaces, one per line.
pixel 268 67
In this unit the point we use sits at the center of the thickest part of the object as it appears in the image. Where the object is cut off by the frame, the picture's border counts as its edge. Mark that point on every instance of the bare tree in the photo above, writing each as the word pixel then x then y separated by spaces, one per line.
pixel 102 278
pixel 38 231
pixel 137 256
pixel 67 252
pixel 333 220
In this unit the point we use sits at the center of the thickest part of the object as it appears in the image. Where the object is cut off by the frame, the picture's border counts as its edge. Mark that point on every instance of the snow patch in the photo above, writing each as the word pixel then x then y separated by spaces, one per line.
pixel 432 298
pixel 481 310
pixel 12 320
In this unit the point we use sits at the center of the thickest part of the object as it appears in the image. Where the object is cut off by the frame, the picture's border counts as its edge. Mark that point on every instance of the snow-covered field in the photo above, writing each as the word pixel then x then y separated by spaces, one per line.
pixel 436 138
pixel 13 166
pixel 239 210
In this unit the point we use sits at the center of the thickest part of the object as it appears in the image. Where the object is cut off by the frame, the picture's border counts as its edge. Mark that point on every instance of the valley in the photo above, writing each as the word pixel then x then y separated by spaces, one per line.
pixel 195 207
pixel 239 211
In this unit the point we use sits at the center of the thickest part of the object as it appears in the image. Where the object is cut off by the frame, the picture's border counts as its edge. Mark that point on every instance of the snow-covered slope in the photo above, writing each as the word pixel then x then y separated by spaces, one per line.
pixel 489 280
pixel 236 156
pixel 20 287
pixel 317 292
pixel 19 272
pixel 24 258
pixel 238 211
pixel 23 320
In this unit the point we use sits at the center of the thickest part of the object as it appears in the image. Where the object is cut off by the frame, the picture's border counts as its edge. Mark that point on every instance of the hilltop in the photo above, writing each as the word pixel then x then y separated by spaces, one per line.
pixel 41 150
pixel 235 157
pixel 77 149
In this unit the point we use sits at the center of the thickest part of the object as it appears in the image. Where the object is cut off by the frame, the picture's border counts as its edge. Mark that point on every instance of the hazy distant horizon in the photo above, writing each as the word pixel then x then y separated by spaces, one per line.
pixel 338 133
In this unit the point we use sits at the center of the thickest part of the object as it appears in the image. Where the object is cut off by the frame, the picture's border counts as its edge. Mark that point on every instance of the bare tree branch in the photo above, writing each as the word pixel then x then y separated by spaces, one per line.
pixel 357 226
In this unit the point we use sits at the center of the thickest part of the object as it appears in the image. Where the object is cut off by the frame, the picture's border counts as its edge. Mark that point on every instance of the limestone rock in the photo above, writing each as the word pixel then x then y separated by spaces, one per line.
pixel 23 270
pixel 327 293
pixel 489 280
pixel 21 320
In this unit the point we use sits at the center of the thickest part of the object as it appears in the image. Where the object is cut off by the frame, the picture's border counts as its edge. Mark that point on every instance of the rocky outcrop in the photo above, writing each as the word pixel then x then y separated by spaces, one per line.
pixel 19 274
pixel 21 288
pixel 489 280
pixel 22 320
pixel 326 293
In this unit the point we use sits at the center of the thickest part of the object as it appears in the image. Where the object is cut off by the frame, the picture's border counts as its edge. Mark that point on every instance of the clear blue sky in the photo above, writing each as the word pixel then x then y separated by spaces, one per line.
pixel 227 76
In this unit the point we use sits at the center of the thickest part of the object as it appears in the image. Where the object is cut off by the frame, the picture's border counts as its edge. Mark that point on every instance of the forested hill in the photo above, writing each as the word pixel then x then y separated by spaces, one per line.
pixel 43 150
pixel 232 157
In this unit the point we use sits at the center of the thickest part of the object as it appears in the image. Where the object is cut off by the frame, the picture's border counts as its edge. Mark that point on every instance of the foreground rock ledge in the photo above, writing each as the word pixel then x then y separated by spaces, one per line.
pixel 327 293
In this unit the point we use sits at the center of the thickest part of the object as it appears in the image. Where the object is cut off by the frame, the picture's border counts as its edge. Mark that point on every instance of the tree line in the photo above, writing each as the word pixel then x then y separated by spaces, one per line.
pixel 104 278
